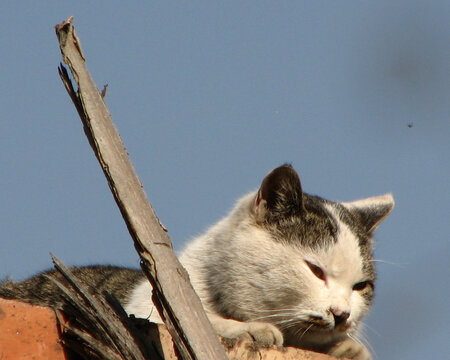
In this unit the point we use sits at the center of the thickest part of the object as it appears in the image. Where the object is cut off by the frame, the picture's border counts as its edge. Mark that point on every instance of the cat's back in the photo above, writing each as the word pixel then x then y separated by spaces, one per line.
pixel 41 290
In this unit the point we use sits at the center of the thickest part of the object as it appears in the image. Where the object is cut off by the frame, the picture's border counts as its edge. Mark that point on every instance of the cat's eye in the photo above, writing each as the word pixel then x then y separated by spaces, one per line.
pixel 361 285
pixel 316 270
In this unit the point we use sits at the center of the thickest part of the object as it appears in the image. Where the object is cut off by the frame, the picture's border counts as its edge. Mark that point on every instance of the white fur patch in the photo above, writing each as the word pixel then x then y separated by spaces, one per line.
pixel 343 264
pixel 140 303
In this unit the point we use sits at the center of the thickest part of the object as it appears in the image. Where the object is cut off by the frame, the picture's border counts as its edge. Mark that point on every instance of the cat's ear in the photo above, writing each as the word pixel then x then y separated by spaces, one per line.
pixel 371 211
pixel 280 195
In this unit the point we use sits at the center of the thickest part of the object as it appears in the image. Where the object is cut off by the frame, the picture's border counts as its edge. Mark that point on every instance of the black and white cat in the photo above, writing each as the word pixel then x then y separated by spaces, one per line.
pixel 283 267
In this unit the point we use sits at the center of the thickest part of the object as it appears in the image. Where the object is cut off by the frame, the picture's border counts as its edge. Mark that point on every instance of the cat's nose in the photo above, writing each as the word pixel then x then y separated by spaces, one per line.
pixel 340 317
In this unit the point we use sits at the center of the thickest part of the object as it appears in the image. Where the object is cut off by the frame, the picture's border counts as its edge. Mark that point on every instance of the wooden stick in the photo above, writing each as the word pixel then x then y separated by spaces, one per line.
pixel 177 303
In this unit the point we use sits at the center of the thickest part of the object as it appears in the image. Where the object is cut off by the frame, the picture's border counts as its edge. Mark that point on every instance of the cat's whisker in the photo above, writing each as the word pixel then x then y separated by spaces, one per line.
pixel 288 323
pixel 361 339
pixel 389 262
pixel 267 310
pixel 290 326
pixel 365 326
pixel 294 322
pixel 354 338
pixel 304 332
pixel 267 317
pixel 363 336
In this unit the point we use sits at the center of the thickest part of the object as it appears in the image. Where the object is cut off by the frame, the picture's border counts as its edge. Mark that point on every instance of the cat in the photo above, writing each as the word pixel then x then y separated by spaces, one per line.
pixel 283 268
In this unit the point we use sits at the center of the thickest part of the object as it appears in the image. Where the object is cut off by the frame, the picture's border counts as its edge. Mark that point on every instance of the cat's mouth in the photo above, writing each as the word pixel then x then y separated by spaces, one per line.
pixel 320 324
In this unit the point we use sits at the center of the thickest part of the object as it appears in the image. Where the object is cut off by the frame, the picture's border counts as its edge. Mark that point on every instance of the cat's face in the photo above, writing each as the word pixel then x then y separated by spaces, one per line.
pixel 334 284
pixel 313 270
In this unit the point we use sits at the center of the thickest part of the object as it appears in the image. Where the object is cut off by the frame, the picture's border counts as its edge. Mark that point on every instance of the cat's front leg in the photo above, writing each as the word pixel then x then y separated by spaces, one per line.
pixel 351 349
pixel 262 333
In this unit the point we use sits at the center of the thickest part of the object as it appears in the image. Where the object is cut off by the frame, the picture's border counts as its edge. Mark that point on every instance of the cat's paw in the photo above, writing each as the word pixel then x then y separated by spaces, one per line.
pixel 264 334
pixel 261 334
pixel 350 349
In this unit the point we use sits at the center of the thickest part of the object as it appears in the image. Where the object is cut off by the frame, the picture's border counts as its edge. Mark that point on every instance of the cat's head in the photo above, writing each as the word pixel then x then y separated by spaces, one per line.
pixel 318 274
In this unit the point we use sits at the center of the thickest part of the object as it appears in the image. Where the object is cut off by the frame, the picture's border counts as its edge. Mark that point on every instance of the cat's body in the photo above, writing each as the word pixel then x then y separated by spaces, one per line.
pixel 282 267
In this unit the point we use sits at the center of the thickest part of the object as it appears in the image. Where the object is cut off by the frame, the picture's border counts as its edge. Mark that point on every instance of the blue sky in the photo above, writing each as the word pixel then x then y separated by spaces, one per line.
pixel 208 97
